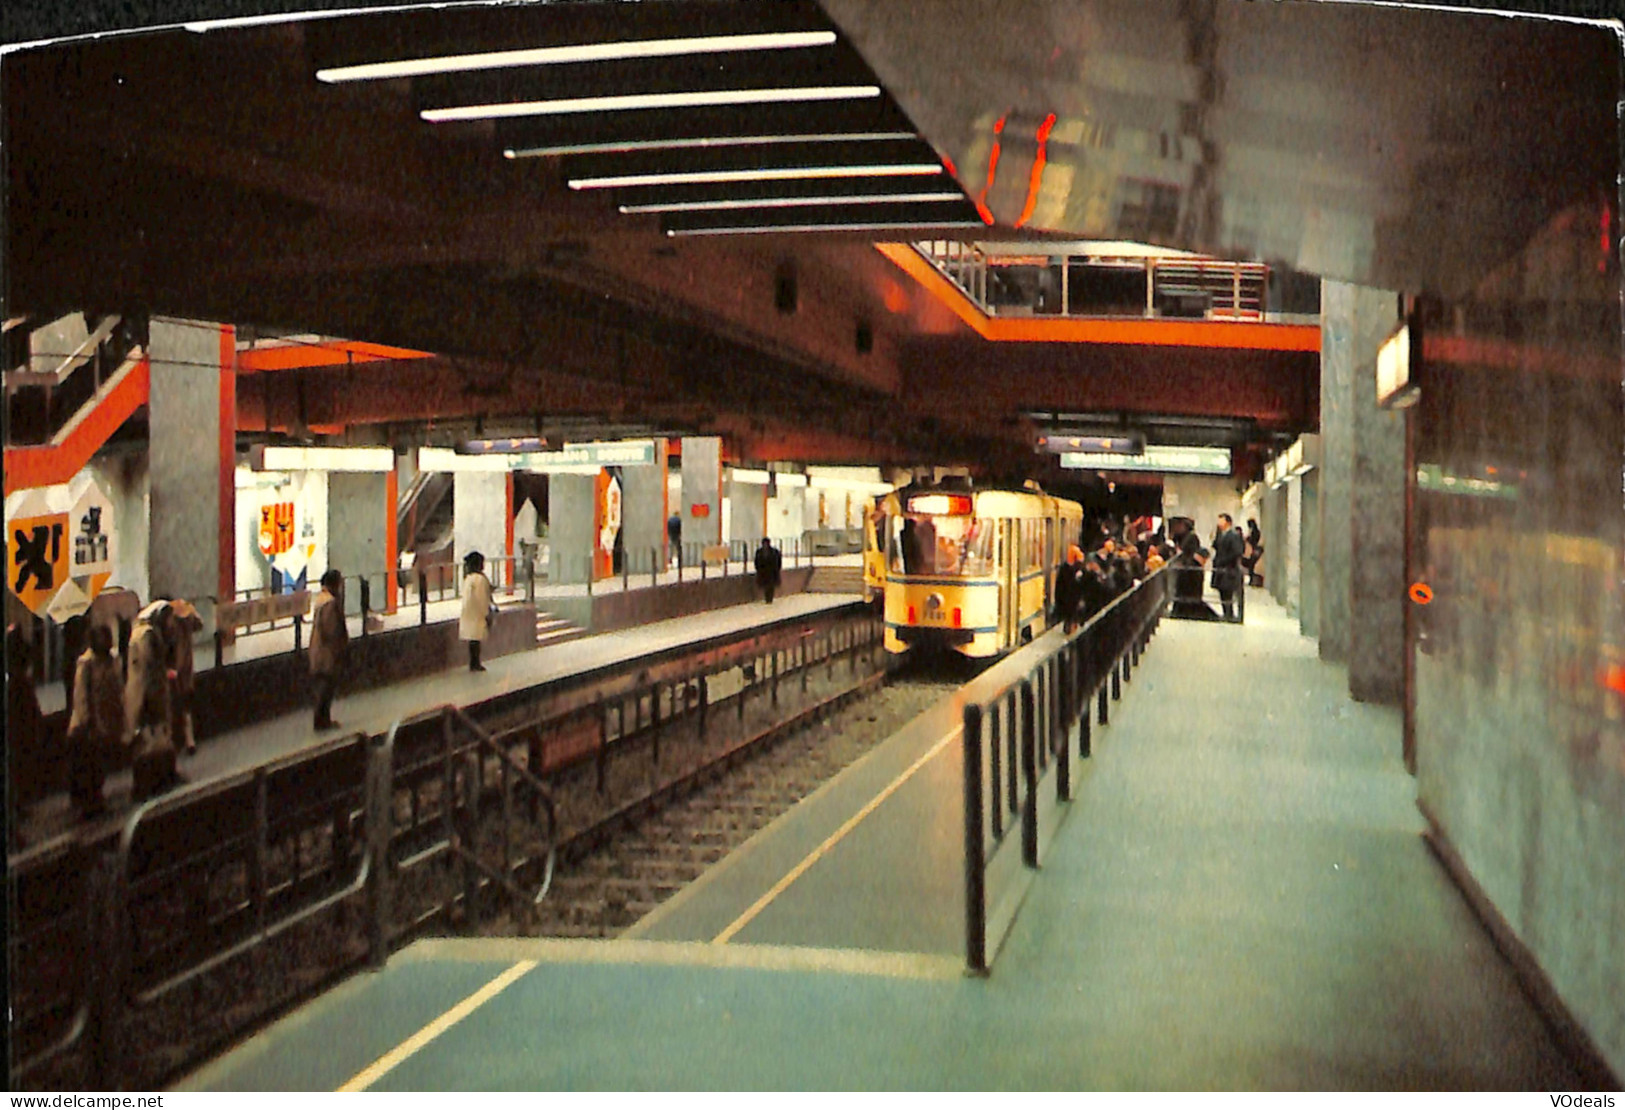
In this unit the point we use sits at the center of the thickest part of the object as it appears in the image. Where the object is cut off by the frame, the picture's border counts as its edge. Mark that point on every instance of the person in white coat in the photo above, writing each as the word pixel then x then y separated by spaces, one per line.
pixel 477 607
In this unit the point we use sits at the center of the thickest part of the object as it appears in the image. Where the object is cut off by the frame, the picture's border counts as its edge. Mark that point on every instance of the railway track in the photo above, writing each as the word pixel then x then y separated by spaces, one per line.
pixel 609 882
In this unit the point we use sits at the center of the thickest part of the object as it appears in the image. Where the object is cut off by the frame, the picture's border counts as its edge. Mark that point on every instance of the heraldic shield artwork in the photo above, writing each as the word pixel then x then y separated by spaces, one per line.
pixel 60 546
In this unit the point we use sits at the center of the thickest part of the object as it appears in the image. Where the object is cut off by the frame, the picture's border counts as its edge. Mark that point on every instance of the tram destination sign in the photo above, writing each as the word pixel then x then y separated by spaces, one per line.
pixel 1161 460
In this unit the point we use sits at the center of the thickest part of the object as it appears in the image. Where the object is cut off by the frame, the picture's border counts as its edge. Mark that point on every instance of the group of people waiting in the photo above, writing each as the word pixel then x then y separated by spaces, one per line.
pixel 138 708
pixel 1089 581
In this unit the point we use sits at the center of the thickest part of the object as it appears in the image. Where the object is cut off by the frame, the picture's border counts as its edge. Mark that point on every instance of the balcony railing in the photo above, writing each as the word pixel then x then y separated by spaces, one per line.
pixel 1071 285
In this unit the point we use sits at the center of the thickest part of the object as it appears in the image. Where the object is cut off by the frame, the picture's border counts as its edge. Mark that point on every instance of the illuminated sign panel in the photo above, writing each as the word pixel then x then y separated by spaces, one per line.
pixel 1107 445
pixel 1394 369
pixel 574 458
pixel 1161 460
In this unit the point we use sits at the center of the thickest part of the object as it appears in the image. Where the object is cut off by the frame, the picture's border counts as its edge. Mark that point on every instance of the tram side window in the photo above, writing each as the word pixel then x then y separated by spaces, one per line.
pixel 946 545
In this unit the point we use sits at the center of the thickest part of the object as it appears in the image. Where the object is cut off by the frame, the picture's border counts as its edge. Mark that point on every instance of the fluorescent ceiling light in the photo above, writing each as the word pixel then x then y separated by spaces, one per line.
pixel 366 459
pixel 749 477
pixel 587 52
pixel 762 229
pixel 641 101
pixel 788 480
pixel 706 143
pixel 790 202
pixel 785 173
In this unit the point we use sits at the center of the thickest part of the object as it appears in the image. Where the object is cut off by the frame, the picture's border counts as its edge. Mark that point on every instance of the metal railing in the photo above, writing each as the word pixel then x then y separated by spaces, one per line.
pixel 204 879
pixel 1035 284
pixel 1020 721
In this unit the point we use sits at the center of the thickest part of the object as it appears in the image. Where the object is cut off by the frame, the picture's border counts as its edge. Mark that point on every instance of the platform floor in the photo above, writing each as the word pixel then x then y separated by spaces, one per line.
pixel 373 711
pixel 1239 899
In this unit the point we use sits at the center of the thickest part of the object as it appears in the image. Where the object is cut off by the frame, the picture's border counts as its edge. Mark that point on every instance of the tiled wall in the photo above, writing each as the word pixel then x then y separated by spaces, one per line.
pixel 1518 529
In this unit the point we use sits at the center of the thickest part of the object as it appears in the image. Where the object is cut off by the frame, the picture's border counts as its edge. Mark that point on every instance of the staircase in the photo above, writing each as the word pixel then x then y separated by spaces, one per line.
pixel 836 580
pixel 70 384
pixel 551 630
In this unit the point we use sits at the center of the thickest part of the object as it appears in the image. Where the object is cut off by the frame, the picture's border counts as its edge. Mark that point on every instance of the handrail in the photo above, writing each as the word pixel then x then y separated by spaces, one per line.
pixel 83 353
pixel 1019 721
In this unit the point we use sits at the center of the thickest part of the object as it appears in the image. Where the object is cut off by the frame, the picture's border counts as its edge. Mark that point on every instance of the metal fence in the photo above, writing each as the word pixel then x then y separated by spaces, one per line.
pixel 1021 719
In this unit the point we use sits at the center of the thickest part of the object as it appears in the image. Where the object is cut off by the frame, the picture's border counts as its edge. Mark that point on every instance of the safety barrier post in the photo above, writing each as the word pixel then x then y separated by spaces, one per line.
pixel 298 632
pixel 105 921
pixel 654 568
pixel 626 558
pixel 423 596
pixel 366 601
pixel 975 858
pixel 1029 774
pixel 379 816
pixel 1060 706
pixel 530 580
pixel 1117 680
pixel 219 648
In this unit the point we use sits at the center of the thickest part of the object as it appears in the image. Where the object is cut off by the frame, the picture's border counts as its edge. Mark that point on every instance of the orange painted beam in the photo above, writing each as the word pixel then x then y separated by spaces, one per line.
pixel 1072 329
pixel 55 463
pixel 338 352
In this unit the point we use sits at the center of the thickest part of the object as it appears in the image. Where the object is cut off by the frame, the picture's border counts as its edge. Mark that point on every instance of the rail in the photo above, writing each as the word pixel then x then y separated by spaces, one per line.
pixel 352 847
pixel 1020 720
pixel 1075 285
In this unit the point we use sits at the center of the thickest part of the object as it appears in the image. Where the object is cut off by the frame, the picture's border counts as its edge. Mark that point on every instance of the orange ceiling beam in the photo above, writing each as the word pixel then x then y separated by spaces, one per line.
pixel 1238 335
pixel 336 352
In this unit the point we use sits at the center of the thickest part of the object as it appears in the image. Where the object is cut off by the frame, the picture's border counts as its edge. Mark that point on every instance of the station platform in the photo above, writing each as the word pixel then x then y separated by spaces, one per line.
pixel 1240 898
pixel 373 711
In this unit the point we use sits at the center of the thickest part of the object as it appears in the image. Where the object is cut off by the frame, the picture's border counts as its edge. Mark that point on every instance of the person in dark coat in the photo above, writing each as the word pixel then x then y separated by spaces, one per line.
pixel 1069 589
pixel 1227 550
pixel 329 641
pixel 1253 553
pixel 674 538
pixel 24 728
pixel 768 563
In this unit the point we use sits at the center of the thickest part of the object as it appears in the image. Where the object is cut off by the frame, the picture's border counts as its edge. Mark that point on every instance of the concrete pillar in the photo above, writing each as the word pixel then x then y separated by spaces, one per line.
pixel 1309 556
pixel 1362 496
pixel 479 515
pixel 192 460
pixel 644 511
pixel 359 516
pixel 571 529
pixel 786 512
pixel 748 511
pixel 702 489
pixel 1293 580
pixel 1274 525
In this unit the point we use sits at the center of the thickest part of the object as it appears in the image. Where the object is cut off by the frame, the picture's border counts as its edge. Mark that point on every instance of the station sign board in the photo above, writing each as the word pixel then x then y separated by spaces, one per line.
pixel 1161 460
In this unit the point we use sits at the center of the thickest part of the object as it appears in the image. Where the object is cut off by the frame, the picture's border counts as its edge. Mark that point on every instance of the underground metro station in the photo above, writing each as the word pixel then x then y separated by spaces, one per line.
pixel 1062 544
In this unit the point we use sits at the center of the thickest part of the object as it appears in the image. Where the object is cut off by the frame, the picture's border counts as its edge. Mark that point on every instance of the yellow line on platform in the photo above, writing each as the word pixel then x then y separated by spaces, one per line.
pixel 398 1055
pixel 835 837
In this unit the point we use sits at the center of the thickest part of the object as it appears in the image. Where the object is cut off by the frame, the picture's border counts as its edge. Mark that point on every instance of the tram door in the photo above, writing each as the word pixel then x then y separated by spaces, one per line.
pixel 1009 581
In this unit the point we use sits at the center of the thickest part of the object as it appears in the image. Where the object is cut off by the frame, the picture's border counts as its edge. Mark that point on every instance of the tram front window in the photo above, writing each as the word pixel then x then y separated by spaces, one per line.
pixel 958 546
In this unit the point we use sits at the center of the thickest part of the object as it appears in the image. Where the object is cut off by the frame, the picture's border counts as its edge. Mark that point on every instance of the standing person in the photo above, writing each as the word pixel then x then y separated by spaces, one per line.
pixel 1254 552
pixel 1069 589
pixel 186 627
pixel 148 716
pixel 1227 548
pixel 1188 566
pixel 24 724
pixel 674 537
pixel 768 564
pixel 96 724
pixel 475 624
pixel 329 643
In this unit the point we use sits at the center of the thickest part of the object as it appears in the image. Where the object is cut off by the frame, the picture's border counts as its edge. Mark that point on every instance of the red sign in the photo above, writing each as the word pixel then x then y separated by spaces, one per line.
pixel 276 528
pixel 702 509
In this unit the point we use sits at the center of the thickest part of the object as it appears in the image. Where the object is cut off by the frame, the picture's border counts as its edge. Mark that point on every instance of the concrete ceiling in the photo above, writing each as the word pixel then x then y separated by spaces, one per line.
pixel 211 175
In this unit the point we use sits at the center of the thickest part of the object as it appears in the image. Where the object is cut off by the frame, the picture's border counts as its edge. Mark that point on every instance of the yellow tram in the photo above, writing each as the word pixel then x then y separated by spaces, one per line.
pixel 968 570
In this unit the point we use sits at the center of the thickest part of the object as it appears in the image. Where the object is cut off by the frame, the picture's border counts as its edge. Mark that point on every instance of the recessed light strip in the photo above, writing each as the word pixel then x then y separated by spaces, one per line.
pixel 643 101
pixel 790 202
pixel 706 143
pixel 586 52
pixel 762 229
pixel 788 173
